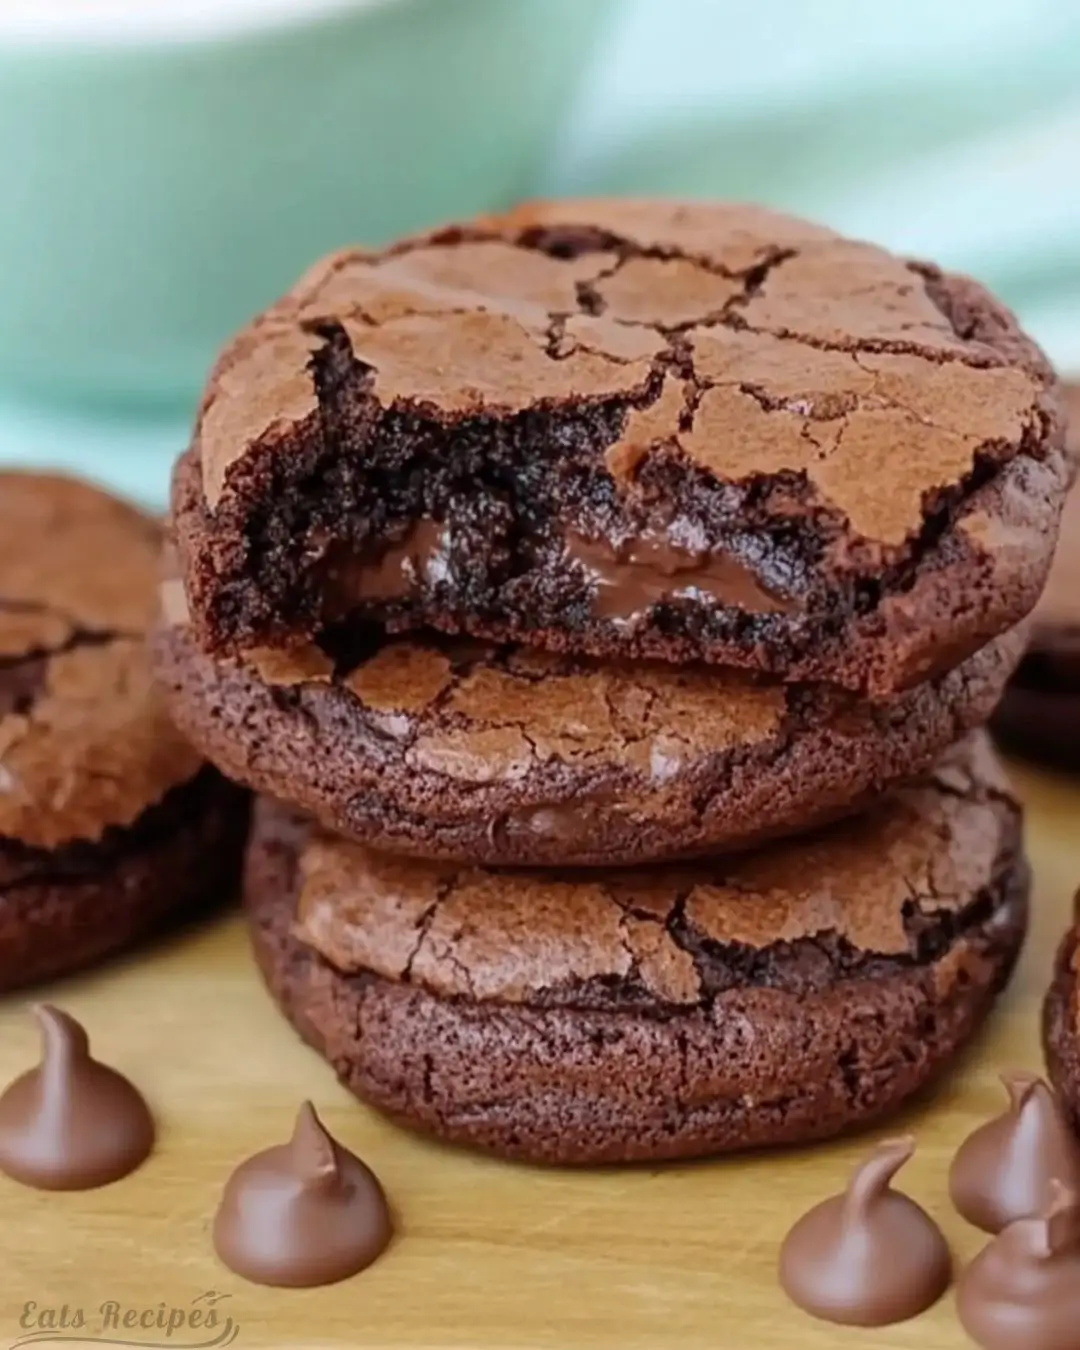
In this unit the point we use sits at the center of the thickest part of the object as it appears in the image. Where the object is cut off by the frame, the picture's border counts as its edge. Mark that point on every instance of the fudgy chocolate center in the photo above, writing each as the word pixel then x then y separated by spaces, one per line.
pixel 736 427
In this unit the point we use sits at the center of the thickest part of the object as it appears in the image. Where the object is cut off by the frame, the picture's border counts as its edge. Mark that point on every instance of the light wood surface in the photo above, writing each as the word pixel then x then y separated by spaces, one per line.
pixel 488 1256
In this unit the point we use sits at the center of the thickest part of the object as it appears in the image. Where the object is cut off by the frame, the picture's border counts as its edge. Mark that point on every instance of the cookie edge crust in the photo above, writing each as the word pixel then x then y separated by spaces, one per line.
pixel 361 1024
pixel 124 889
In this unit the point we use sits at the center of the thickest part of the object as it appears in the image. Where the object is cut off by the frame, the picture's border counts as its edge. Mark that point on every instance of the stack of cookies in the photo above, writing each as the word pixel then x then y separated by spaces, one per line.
pixel 605 598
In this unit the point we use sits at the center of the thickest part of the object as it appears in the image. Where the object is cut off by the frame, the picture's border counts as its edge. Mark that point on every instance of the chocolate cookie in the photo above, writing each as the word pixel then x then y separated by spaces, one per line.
pixel 109 821
pixel 609 1016
pixel 451 748
pixel 1040 713
pixel 1061 1023
pixel 633 430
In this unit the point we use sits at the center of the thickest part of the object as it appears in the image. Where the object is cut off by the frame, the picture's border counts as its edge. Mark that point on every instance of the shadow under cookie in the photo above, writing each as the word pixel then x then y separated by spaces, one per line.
pixel 774 998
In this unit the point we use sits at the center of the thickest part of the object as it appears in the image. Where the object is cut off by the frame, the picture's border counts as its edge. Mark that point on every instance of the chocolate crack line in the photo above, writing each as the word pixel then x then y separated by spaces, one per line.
pixel 438 718
pixel 987 360
pixel 600 762
pixel 728 316
pixel 178 807
pixel 79 637
pixel 735 759
pixel 676 353
pixel 678 356
pixel 589 298
pixel 800 967
pixel 753 277
pixel 838 409
pixel 424 923
pixel 567 241
pixel 23 678
pixel 940 508
pixel 719 966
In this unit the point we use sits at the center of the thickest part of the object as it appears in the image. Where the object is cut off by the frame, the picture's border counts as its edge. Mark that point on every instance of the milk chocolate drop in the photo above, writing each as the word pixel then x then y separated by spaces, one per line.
pixel 304 1213
pixel 72 1123
pixel 869 1257
pixel 1002 1171
pixel 1022 1292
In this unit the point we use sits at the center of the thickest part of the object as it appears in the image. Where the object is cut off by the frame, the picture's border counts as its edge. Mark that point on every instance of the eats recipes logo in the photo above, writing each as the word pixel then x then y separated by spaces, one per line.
pixel 204 1324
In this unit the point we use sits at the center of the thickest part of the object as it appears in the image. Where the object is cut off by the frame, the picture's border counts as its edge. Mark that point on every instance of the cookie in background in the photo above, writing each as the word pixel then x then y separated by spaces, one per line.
pixel 1039 717
pixel 110 823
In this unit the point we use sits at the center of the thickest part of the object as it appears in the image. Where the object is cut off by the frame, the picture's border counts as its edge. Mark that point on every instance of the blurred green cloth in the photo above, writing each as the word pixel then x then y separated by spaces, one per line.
pixel 948 129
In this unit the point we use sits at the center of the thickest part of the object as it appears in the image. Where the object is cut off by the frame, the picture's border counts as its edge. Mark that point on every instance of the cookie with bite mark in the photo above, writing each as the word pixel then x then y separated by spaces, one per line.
pixel 635 430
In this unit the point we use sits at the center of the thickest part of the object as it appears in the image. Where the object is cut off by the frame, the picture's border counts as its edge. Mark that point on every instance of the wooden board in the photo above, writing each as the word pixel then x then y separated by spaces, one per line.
pixel 489 1256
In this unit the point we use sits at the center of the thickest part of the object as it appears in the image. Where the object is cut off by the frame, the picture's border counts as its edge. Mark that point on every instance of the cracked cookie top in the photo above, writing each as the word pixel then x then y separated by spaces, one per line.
pixel 741 341
pixel 84 742
pixel 475 714
pixel 894 886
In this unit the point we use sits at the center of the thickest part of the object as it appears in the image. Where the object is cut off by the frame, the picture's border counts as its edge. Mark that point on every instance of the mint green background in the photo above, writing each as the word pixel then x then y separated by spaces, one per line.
pixel 152 197
pixel 945 128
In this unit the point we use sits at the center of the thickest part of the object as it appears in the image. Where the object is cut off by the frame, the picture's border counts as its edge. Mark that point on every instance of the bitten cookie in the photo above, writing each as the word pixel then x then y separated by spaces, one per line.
pixel 109 821
pixel 635 430
pixel 451 748
pixel 1040 713
pixel 774 998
